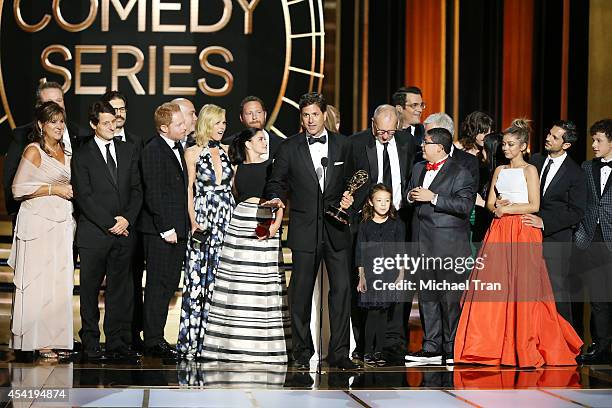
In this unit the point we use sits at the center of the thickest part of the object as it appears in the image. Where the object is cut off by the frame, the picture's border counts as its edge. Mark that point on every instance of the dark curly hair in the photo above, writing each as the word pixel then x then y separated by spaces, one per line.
pixel 473 124
pixel 237 149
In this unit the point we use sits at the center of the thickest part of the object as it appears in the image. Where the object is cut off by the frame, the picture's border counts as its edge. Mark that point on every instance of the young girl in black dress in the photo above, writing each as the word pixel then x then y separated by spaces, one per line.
pixel 380 234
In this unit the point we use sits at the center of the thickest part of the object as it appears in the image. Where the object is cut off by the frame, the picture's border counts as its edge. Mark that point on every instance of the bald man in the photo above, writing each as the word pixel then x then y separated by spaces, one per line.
pixel 191 117
pixel 387 159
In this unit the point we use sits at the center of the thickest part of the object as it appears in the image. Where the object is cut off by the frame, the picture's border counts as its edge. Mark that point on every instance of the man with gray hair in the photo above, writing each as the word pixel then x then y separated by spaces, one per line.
pixel 469 161
pixel 388 160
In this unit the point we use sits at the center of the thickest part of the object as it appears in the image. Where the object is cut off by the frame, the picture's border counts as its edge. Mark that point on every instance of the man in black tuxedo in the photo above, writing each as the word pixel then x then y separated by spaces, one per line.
pixel 409 104
pixel 164 222
pixel 309 171
pixel 191 117
pixel 594 240
pixel 107 190
pixel 443 195
pixel 469 161
pixel 119 102
pixel 562 205
pixel 387 159
pixel 73 137
pixel 253 115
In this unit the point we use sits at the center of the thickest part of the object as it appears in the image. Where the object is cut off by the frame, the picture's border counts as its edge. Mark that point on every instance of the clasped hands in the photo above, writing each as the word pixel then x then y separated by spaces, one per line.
pixel 531 220
pixel 421 195
pixel 120 227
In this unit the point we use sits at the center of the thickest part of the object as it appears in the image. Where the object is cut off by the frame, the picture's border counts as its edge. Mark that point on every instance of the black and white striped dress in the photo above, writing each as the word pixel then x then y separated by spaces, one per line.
pixel 248 320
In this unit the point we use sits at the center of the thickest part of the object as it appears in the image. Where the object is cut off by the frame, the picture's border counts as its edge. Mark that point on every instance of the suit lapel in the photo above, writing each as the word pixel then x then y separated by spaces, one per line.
pixel 304 154
pixel 422 176
pixel 607 186
pixel 372 159
pixel 539 163
pixel 166 148
pixel 441 175
pixel 97 155
pixel 559 176
pixel 402 153
pixel 596 171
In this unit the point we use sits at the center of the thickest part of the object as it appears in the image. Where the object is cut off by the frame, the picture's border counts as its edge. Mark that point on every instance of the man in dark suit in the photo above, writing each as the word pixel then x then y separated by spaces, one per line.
pixel 119 102
pixel 594 239
pixel 562 206
pixel 253 115
pixel 409 104
pixel 309 171
pixel 387 159
pixel 73 137
pixel 191 118
pixel 443 195
pixel 469 161
pixel 107 191
pixel 164 222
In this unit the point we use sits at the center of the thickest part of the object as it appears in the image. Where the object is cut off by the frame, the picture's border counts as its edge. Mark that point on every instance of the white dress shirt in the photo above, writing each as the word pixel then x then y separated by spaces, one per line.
pixel 554 168
pixel 396 175
pixel 605 174
pixel 430 175
pixel 102 146
pixel 317 152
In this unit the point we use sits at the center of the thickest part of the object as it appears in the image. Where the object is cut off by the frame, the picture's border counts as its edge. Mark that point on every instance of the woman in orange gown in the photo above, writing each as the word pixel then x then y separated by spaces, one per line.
pixel 516 325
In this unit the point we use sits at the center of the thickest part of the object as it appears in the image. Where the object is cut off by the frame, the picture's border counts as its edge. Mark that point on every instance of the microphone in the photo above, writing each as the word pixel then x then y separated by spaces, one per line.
pixel 324 162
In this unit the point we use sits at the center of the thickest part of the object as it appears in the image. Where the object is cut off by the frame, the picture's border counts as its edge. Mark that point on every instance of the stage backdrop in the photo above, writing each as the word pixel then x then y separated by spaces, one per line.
pixel 210 51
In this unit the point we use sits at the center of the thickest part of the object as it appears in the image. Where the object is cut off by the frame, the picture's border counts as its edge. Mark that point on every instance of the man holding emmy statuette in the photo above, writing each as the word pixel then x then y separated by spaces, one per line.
pixel 309 171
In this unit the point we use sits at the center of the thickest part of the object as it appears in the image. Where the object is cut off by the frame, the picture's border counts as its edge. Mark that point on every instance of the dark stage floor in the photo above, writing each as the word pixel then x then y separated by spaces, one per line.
pixel 156 383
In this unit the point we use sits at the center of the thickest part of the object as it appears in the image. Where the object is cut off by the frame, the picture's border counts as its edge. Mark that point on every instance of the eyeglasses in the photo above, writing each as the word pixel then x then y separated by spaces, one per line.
pixel 381 132
pixel 423 143
pixel 422 105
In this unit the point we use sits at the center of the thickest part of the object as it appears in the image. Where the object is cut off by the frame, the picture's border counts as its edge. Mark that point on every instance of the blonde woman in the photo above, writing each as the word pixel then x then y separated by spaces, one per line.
pixel 210 205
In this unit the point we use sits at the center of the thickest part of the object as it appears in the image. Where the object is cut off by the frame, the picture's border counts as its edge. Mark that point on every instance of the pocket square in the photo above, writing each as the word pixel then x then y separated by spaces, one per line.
pixel 338 163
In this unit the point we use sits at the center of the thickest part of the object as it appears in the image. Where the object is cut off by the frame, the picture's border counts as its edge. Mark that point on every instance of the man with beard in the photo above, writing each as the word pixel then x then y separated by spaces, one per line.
pixel 119 103
pixel 189 113
pixel 563 198
pixel 253 115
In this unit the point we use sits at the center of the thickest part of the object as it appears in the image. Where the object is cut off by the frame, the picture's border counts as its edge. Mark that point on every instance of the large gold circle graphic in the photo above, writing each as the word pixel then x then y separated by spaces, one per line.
pixel 286 100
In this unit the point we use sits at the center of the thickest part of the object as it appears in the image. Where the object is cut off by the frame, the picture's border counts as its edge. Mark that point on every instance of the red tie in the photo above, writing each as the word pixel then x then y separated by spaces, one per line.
pixel 434 166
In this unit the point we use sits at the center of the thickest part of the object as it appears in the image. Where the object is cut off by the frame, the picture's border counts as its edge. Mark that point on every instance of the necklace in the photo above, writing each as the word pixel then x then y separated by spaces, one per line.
pixel 53 150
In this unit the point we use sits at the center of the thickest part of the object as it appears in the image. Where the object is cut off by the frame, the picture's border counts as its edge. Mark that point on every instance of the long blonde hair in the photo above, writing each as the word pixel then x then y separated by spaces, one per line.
pixel 208 116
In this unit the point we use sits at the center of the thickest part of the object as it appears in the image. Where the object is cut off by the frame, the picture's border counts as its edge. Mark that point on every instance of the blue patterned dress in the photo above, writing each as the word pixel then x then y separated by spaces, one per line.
pixel 213 204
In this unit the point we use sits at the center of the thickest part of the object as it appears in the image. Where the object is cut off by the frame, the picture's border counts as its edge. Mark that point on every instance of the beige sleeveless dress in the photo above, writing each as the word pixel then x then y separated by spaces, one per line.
pixel 41 256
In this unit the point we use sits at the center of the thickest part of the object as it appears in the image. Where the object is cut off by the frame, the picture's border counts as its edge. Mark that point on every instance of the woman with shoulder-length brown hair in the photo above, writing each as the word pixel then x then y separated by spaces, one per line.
pixel 41 254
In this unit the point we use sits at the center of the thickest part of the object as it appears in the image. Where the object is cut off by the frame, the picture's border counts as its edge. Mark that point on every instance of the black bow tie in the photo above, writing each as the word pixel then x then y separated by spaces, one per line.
pixel 178 145
pixel 313 140
pixel 606 164
pixel 214 143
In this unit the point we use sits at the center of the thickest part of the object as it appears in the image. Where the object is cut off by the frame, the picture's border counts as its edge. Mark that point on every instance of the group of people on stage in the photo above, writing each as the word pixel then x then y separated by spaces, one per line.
pixel 191 198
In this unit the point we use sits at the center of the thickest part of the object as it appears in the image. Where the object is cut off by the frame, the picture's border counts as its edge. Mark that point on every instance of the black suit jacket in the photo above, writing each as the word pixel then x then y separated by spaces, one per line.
pixel 20 139
pixel 275 141
pixel 293 178
pixel 363 156
pixel 416 139
pixel 599 207
pixel 563 204
pixel 165 190
pixel 470 162
pixel 99 198
pixel 443 229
